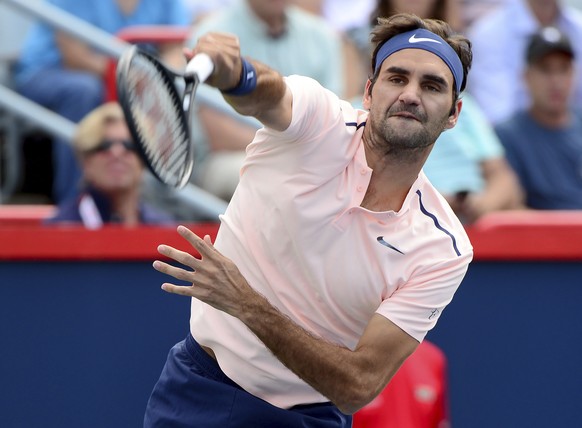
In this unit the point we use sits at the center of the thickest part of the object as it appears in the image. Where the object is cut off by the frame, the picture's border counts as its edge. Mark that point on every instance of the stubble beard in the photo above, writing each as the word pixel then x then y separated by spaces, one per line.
pixel 403 142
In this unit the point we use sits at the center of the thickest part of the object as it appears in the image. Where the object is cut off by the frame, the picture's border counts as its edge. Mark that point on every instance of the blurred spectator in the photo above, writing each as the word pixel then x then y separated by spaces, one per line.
pixel 343 15
pixel 112 173
pixel 468 166
pixel 65 75
pixel 200 9
pixel 445 10
pixel 416 397
pixel 499 41
pixel 281 35
pixel 544 142
pixel 472 10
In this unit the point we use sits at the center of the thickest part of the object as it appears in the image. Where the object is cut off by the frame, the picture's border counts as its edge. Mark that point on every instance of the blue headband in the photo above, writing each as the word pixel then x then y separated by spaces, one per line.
pixel 423 39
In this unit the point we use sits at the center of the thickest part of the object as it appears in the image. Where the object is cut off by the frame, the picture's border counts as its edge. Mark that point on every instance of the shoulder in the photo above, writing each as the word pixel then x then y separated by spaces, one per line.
pixel 68 211
pixel 308 91
pixel 318 107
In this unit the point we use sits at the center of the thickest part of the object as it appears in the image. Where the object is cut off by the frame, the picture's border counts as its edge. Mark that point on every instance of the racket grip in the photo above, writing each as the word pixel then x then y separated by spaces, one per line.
pixel 201 65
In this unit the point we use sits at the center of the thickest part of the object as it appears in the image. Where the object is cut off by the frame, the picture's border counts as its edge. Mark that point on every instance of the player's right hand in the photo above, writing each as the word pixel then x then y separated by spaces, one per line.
pixel 224 50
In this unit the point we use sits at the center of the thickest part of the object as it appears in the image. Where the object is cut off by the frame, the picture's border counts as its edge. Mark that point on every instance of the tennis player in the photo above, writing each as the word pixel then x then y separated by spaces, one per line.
pixel 335 256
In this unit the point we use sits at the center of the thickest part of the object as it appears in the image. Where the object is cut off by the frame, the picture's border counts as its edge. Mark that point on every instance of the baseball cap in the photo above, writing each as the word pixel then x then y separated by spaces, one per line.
pixel 548 40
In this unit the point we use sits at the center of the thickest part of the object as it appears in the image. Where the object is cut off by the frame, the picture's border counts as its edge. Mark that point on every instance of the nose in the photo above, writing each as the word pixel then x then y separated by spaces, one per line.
pixel 120 147
pixel 117 149
pixel 410 94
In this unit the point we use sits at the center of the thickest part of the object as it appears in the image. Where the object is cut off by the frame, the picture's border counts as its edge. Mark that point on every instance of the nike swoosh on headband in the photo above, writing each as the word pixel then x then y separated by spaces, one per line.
pixel 413 39
pixel 421 38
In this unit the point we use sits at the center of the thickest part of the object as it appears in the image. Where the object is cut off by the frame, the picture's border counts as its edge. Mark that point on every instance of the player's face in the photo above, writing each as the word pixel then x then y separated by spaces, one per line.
pixel 114 169
pixel 411 101
pixel 550 81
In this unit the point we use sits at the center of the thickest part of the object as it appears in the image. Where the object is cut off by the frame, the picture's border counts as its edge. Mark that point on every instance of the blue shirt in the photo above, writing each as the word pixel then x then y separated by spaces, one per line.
pixel 40 50
pixel 547 161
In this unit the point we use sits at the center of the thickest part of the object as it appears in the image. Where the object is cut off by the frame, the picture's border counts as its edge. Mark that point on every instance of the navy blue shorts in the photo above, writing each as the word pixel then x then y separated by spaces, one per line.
pixel 194 392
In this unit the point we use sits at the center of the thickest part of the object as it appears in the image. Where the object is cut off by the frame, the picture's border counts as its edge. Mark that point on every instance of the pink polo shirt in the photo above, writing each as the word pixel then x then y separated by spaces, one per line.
pixel 296 231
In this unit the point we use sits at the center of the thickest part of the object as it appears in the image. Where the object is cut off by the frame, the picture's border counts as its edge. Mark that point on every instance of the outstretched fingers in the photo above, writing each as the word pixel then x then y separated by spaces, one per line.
pixel 203 246
pixel 180 256
pixel 173 271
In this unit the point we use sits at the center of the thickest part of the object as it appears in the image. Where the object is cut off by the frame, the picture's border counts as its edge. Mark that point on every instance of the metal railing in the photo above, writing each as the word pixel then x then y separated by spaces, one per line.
pixel 199 200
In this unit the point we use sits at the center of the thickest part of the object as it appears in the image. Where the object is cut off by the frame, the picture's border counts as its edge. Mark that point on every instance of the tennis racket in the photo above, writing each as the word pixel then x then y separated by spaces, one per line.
pixel 158 117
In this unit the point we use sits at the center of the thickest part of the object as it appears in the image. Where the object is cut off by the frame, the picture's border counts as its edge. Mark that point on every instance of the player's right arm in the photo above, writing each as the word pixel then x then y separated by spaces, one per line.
pixel 270 102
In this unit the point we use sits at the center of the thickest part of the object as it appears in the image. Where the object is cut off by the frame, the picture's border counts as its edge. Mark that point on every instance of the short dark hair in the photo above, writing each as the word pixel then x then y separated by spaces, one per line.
pixel 404 22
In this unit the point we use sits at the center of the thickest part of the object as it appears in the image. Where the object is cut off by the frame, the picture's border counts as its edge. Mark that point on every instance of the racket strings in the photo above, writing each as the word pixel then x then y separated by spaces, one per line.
pixel 158 120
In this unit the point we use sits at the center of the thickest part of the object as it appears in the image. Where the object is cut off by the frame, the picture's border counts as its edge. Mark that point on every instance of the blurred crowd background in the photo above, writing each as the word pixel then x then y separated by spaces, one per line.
pixel 518 144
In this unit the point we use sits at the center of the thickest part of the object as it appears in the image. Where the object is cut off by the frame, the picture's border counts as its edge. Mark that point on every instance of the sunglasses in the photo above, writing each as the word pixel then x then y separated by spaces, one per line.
pixel 106 144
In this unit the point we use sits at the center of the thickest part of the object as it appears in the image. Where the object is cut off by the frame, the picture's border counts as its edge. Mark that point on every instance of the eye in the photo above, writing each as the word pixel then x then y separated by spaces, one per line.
pixel 396 80
pixel 432 88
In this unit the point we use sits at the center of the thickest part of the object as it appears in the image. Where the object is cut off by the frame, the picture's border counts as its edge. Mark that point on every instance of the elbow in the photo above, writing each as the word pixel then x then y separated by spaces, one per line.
pixel 355 397
pixel 349 407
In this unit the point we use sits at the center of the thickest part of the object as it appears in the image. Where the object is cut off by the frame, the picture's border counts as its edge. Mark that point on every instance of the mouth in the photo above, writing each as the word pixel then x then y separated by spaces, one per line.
pixel 405 115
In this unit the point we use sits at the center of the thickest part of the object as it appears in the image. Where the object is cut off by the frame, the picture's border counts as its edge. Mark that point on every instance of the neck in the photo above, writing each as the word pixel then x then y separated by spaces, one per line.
pixel 276 23
pixel 549 119
pixel 276 26
pixel 392 177
pixel 546 12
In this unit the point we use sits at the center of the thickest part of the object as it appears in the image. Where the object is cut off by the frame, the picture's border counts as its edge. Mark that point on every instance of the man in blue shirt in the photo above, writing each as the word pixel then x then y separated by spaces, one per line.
pixel 65 75
pixel 544 143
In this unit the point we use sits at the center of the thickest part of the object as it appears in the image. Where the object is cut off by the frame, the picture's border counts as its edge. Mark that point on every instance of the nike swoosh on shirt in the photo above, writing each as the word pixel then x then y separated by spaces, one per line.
pixel 386 244
pixel 413 39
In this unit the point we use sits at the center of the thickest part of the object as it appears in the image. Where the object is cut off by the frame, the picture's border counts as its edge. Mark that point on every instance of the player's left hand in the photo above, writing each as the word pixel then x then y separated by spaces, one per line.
pixel 214 278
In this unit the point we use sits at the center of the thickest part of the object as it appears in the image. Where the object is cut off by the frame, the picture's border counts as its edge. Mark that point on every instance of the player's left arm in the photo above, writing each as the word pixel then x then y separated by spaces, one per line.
pixel 349 378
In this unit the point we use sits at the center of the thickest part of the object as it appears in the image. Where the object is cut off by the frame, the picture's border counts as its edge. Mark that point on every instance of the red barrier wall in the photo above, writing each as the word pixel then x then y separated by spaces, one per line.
pixel 524 235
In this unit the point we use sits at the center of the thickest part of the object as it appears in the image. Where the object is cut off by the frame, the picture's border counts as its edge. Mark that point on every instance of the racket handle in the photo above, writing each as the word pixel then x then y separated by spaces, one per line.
pixel 201 65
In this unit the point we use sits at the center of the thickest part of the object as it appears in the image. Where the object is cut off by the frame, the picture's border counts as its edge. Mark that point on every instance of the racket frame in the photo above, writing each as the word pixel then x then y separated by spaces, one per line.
pixel 169 78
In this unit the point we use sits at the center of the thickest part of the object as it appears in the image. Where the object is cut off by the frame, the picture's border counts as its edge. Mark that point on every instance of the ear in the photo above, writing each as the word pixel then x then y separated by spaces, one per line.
pixel 455 116
pixel 367 98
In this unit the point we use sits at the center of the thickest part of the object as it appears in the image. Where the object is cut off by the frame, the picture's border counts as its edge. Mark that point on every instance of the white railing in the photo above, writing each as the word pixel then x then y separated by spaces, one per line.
pixel 200 201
